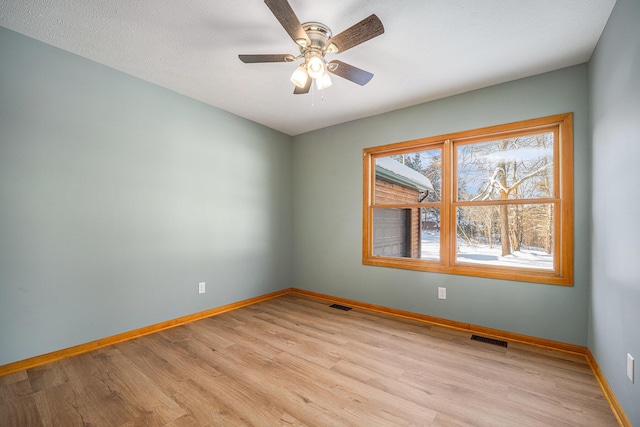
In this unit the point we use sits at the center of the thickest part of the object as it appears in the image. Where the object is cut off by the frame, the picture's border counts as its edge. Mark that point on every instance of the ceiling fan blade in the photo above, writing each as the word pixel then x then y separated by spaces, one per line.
pixel 286 16
pixel 350 72
pixel 252 59
pixel 305 89
pixel 364 30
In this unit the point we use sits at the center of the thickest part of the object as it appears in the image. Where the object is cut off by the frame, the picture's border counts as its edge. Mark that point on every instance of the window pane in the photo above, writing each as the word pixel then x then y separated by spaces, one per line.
pixel 407 233
pixel 408 178
pixel 512 168
pixel 430 237
pixel 507 235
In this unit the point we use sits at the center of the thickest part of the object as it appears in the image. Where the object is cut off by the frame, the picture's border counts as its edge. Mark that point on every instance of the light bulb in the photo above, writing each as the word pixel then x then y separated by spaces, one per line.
pixel 315 66
pixel 323 81
pixel 299 77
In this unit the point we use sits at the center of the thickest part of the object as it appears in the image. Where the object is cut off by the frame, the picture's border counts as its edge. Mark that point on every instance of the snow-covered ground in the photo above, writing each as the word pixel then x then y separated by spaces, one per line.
pixel 483 254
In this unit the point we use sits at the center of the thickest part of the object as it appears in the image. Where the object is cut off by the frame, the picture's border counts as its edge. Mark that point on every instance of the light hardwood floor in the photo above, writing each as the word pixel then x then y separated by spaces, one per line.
pixel 295 361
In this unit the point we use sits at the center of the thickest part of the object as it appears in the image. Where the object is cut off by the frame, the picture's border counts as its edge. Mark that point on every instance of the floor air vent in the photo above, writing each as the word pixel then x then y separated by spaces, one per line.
pixel 340 307
pixel 489 340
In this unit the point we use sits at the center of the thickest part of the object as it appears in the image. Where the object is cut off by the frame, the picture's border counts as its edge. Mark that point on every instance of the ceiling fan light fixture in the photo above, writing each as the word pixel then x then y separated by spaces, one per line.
pixel 315 67
pixel 314 41
pixel 323 81
pixel 299 77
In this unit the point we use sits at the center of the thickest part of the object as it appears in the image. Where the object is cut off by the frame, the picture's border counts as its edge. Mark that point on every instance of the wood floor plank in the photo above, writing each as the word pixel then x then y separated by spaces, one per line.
pixel 15 385
pixel 192 389
pixel 295 361
pixel 305 347
pixel 362 399
pixel 248 339
pixel 211 394
pixel 20 411
pixel 135 390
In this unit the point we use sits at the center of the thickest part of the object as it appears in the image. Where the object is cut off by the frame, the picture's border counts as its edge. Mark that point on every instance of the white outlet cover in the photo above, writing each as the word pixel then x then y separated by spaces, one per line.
pixel 442 293
pixel 201 287
pixel 630 361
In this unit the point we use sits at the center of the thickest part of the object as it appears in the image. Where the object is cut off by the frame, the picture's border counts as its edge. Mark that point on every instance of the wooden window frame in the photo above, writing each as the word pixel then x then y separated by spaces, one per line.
pixel 562 273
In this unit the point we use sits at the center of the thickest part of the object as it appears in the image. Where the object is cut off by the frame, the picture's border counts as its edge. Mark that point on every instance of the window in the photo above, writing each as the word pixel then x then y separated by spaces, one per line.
pixel 494 202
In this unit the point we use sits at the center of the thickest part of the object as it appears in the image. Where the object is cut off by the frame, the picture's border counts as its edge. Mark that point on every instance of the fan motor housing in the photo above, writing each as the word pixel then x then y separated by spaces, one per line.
pixel 319 34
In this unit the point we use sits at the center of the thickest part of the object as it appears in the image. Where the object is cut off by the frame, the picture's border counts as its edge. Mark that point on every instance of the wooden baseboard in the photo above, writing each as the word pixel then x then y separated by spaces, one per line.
pixel 125 336
pixel 608 392
pixel 494 333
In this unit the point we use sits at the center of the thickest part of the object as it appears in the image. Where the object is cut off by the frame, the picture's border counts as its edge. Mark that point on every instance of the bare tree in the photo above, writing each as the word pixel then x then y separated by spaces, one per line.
pixel 514 168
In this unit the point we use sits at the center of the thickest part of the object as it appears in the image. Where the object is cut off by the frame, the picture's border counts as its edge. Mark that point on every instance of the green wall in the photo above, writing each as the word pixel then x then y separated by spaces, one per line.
pixel 117 197
pixel 328 212
pixel 614 83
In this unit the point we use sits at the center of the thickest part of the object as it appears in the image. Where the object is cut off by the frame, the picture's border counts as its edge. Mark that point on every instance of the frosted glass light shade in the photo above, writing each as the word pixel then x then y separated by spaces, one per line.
pixel 315 66
pixel 323 81
pixel 299 77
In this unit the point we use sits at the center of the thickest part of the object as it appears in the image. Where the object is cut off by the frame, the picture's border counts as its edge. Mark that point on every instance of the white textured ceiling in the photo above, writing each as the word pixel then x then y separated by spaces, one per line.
pixel 430 49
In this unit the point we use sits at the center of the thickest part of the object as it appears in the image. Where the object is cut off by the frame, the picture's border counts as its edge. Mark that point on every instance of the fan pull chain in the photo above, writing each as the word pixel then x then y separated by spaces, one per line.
pixel 313 96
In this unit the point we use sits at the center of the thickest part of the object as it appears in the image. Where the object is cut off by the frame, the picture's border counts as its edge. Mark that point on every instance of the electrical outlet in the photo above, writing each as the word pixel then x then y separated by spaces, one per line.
pixel 442 293
pixel 201 287
pixel 630 367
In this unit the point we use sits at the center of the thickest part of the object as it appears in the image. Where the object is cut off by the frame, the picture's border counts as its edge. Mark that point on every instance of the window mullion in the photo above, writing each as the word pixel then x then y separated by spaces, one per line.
pixel 447 235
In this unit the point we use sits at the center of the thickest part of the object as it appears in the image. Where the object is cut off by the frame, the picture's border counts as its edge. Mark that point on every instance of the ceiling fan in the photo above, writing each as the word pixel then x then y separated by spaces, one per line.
pixel 315 41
